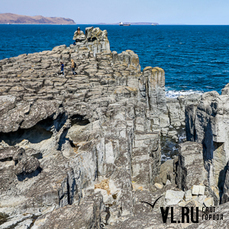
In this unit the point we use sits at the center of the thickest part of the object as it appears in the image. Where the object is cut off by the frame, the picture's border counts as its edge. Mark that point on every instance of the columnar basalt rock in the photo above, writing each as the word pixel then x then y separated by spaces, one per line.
pixel 152 83
pixel 152 92
pixel 87 127
pixel 190 166
pixel 90 143
pixel 207 124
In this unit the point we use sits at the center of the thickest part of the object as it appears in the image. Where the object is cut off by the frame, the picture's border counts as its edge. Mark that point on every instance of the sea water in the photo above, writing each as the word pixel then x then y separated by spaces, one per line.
pixel 195 58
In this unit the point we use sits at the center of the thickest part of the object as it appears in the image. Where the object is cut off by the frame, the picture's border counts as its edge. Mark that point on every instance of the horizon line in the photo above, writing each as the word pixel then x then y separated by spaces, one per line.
pixel 153 24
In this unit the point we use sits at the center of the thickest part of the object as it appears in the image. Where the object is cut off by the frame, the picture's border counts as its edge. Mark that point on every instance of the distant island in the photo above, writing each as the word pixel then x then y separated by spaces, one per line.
pixel 131 23
pixel 144 23
pixel 9 18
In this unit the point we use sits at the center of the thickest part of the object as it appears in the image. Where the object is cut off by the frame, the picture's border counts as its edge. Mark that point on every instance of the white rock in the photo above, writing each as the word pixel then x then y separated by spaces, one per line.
pixel 168 182
pixel 109 152
pixel 188 195
pixel 159 186
pixel 198 190
pixel 173 197
pixel 209 201
pixel 201 190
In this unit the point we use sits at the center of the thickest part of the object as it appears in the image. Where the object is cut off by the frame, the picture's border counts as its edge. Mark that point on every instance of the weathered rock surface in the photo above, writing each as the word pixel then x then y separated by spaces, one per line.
pixel 63 135
pixel 166 173
pixel 208 124
pixel 25 164
pixel 83 151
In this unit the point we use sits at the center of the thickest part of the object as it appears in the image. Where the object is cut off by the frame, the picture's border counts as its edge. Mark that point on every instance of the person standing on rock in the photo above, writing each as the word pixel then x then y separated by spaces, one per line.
pixel 73 67
pixel 78 30
pixel 62 68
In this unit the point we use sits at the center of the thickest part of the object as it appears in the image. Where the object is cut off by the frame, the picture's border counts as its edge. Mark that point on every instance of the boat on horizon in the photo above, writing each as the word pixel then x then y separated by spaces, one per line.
pixel 124 24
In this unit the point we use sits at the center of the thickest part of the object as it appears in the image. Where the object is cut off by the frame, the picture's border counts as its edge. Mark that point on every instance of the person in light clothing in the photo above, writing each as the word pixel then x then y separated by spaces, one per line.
pixel 73 67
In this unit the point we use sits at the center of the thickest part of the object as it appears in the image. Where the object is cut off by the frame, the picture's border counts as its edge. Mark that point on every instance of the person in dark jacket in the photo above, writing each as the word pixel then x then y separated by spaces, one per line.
pixel 62 68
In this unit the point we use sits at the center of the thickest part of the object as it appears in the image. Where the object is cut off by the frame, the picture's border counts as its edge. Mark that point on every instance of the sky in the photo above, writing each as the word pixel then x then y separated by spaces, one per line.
pixel 190 12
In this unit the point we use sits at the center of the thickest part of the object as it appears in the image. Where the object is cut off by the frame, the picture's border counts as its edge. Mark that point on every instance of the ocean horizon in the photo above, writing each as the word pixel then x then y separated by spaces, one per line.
pixel 195 57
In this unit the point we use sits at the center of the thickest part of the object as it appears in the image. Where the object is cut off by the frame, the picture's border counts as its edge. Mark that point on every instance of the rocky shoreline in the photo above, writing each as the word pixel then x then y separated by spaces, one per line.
pixel 86 150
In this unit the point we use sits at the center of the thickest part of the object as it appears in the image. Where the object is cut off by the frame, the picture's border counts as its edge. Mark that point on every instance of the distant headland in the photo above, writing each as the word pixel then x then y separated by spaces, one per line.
pixel 9 18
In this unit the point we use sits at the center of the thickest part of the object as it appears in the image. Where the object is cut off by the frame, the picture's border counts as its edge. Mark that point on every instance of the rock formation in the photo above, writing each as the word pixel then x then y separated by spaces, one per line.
pixel 208 125
pixel 94 40
pixel 84 151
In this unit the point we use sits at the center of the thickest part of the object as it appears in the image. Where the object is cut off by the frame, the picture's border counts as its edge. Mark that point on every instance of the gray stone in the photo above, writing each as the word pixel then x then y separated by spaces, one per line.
pixel 166 173
pixel 173 197
pixel 190 166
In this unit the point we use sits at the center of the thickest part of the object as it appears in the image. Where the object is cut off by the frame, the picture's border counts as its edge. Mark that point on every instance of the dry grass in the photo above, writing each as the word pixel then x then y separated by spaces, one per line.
pixel 104 184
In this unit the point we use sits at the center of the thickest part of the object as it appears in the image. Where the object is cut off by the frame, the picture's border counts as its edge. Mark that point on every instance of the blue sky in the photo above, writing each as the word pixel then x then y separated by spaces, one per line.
pixel 194 12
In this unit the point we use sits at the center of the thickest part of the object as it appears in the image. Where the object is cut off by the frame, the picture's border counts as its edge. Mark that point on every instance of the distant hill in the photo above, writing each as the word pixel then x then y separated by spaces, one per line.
pixel 6 18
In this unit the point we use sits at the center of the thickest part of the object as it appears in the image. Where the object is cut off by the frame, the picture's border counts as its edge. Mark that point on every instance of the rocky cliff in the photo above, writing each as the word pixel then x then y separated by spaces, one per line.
pixel 208 124
pixel 8 18
pixel 85 150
